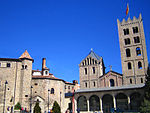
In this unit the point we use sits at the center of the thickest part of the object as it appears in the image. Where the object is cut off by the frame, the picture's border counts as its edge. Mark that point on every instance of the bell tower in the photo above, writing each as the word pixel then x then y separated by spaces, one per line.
pixel 133 50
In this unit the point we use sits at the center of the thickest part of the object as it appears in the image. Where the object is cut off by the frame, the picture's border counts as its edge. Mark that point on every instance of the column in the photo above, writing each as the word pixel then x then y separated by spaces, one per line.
pixel 114 100
pixel 101 106
pixel 88 105
pixel 129 102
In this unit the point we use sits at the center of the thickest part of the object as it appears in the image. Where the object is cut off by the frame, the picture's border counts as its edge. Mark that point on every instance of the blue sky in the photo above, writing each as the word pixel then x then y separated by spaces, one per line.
pixel 64 31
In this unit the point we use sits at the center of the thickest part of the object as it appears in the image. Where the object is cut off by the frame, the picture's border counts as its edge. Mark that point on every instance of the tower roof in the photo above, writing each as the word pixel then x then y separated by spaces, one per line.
pixel 26 55
pixel 94 55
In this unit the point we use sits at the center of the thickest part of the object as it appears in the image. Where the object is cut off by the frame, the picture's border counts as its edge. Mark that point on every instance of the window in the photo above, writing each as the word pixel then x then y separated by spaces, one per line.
pixel 82 63
pixel 129 65
pixel 127 41
pixel 85 84
pixel 126 31
pixel 139 65
pixel 88 61
pixel 46 72
pixel 128 53
pixel 85 71
pixel 141 80
pixel 112 83
pixel 35 84
pixel 136 39
pixel 135 29
pixel 0 64
pixel 65 87
pixel 93 70
pixel 94 84
pixel 52 90
pixel 8 64
pixel 85 62
pixel 68 87
pixel 22 66
pixel 93 61
pixel 130 81
pixel 138 51
pixel 26 95
pixel 26 66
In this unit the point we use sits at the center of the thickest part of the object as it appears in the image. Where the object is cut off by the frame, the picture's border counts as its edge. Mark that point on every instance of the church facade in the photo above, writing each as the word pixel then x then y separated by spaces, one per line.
pixel 105 92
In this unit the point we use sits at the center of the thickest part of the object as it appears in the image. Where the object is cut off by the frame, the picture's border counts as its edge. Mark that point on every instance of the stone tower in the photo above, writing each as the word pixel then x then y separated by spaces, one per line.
pixel 133 50
pixel 91 68
pixel 25 79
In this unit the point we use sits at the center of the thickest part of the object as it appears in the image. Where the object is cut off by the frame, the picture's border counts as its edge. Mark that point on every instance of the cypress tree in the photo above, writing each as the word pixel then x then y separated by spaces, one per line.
pixel 37 108
pixel 56 108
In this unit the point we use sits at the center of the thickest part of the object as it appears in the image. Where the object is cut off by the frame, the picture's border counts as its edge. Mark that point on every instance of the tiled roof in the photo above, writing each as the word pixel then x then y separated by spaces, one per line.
pixel 125 87
pixel 94 55
pixel 26 55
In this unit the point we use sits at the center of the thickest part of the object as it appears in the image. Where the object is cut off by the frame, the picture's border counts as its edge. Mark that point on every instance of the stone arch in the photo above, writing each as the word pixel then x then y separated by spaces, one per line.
pixel 82 103
pixel 107 102
pixel 121 101
pixel 94 103
pixel 135 101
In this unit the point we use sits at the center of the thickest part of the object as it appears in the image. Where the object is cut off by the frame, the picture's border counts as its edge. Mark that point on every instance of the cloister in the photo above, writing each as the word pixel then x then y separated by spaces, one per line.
pixel 103 100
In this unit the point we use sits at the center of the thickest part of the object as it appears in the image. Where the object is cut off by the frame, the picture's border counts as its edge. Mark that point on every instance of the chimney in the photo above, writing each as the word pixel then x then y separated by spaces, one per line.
pixel 43 63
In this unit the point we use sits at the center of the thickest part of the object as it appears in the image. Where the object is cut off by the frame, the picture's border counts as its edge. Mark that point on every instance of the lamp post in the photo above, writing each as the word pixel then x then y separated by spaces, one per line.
pixel 48 99
pixel 31 100
pixel 4 96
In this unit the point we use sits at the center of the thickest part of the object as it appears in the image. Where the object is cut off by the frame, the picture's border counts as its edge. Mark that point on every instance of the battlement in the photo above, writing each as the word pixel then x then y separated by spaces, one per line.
pixel 130 21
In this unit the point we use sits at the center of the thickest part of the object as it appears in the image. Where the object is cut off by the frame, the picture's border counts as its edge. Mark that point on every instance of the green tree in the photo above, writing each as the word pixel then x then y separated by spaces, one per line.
pixel 37 108
pixel 145 106
pixel 18 106
pixel 56 108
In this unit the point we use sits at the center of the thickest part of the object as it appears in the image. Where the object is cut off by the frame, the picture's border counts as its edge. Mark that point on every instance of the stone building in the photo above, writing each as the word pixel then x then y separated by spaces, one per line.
pixel 27 86
pixel 105 92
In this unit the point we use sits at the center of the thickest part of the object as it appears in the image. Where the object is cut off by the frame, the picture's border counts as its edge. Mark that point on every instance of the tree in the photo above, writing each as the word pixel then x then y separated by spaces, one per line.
pixel 56 108
pixel 145 106
pixel 18 106
pixel 37 108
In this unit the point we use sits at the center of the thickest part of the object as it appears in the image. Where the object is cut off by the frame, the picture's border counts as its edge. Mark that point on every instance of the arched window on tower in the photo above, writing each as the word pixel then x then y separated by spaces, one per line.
pixel 93 61
pixel 85 71
pixel 138 51
pixel 52 90
pixel 127 41
pixel 128 52
pixel 141 80
pixel 130 81
pixel 136 39
pixel 87 61
pixel 139 65
pixel 112 83
pixel 129 65
pixel 93 70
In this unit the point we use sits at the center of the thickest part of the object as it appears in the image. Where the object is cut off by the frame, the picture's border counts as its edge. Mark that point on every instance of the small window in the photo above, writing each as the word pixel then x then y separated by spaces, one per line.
pixel 136 39
pixel 35 84
pixel 26 66
pixel 141 80
pixel 129 65
pixel 35 92
pixel 82 63
pixel 26 95
pixel 135 29
pixel 138 51
pixel 139 65
pixel 52 90
pixel 112 83
pixel 93 61
pixel 88 61
pixel 126 31
pixel 8 64
pixel 85 84
pixel 130 81
pixel 22 66
pixel 128 53
pixel 68 87
pixel 85 71
pixel 46 72
pixel 93 70
pixel 127 41
pixel 94 84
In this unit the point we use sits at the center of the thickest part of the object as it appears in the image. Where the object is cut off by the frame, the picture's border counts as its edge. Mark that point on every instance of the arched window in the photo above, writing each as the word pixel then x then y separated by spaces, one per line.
pixel 46 72
pixel 85 84
pixel 112 83
pixel 127 41
pixel 82 63
pixel 85 71
pixel 22 66
pixel 93 70
pixel 8 64
pixel 94 84
pixel 130 81
pixel 126 31
pixel 52 90
pixel 26 66
pixel 82 103
pixel 136 39
pixel 85 62
pixel 141 80
pixel 138 51
pixel 128 53
pixel 88 61
pixel 129 65
pixel 93 61
pixel 139 65
pixel 135 29
pixel 94 103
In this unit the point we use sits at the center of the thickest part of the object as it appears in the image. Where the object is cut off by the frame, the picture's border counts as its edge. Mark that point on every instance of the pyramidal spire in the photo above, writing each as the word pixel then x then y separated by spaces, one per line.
pixel 26 55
